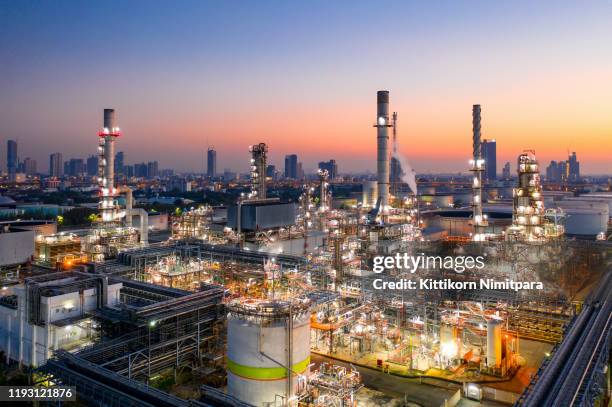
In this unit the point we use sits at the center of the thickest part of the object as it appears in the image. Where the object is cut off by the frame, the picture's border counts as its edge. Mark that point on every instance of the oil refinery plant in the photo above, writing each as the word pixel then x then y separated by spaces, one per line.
pixel 270 301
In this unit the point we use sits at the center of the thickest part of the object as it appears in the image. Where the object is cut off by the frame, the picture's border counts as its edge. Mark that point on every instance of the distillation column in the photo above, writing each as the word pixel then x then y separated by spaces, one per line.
pixel 477 166
pixel 106 168
pixel 528 203
pixel 382 136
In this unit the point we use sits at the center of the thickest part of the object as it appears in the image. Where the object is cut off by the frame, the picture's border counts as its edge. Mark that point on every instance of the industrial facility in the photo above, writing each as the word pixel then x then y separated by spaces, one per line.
pixel 273 301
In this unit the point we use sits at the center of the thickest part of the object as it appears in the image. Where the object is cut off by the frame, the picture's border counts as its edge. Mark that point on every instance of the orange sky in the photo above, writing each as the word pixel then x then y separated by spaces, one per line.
pixel 303 76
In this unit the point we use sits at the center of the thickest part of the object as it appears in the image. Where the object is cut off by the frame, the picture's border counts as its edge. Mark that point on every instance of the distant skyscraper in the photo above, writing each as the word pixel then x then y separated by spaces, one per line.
pixel 271 171
pixel 573 168
pixel 75 167
pixel 56 165
pixel 291 166
pixel 506 171
pixel 29 166
pixel 553 173
pixel 92 165
pixel 119 163
pixel 152 169
pixel 489 153
pixel 564 171
pixel 140 170
pixel 11 159
pixel 211 163
pixel 331 167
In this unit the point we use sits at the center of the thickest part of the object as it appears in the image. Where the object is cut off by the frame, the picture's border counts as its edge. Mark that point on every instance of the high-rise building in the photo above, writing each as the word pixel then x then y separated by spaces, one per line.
pixel 92 165
pixel 331 167
pixel 506 171
pixel 56 165
pixel 489 154
pixel 564 171
pixel 211 163
pixel 553 173
pixel 152 169
pixel 75 167
pixel 573 168
pixel 119 163
pixel 291 166
pixel 140 170
pixel 29 166
pixel 11 159
pixel 271 171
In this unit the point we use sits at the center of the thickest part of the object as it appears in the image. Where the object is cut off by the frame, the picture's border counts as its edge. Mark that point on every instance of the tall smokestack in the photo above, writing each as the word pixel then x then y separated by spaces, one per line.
pixel 106 167
pixel 109 118
pixel 476 131
pixel 477 167
pixel 382 125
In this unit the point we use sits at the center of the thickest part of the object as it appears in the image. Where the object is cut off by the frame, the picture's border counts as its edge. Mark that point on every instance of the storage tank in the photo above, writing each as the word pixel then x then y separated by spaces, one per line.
pixel 585 222
pixel 602 196
pixel 494 343
pixel 264 338
pixel 585 217
pixel 369 193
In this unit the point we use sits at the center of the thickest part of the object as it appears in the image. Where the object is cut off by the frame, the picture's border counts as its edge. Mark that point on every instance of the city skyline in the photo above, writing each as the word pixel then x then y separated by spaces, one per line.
pixel 294 76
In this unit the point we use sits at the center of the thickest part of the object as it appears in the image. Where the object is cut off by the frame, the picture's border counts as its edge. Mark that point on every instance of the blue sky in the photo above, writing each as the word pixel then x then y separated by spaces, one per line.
pixel 302 76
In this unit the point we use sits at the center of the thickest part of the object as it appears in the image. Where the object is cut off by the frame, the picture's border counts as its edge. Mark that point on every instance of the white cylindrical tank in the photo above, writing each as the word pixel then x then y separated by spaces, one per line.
pixel 264 338
pixel 585 217
pixel 494 343
pixel 369 193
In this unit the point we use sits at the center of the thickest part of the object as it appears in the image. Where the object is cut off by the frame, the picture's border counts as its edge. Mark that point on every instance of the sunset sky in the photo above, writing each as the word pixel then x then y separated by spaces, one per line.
pixel 302 76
